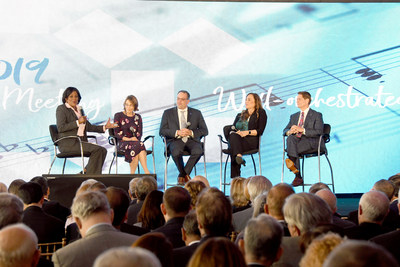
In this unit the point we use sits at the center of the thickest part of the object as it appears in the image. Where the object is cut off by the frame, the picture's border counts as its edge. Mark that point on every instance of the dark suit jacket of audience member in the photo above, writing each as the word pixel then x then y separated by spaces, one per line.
pixel 133 212
pixel 172 230
pixel 292 254
pixel 390 241
pixel 364 231
pixel 391 222
pixel 241 218
pixel 182 255
pixel 84 251
pixel 55 209
pixel 46 227
pixel 337 220
pixel 133 229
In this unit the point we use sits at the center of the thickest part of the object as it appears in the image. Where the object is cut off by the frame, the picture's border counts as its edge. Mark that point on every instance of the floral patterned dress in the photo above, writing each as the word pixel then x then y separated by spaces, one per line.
pixel 129 127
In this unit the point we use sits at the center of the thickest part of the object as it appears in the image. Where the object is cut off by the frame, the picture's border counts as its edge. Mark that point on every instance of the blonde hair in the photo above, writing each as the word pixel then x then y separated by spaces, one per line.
pixel 238 196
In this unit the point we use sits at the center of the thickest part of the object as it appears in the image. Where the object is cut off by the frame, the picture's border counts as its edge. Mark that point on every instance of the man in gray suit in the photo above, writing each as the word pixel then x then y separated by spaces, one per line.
pixel 93 216
pixel 183 128
pixel 302 131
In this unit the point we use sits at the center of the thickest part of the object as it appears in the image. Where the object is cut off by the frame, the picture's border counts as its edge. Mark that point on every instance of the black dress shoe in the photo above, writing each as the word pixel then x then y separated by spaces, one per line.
pixel 240 161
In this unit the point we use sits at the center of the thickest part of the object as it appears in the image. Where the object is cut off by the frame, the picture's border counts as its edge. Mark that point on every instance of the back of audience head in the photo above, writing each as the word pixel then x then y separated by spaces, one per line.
pixel 357 253
pixel 308 237
pixel 132 187
pixel 215 252
pixel 18 246
pixel 329 198
pixel 150 214
pixel 144 186
pixel 158 244
pixel 127 257
pixel 30 193
pixel 11 208
pixel 98 186
pixel 194 188
pixel 176 202
pixel 201 179
pixel 386 187
pixel 395 179
pixel 42 181
pixel 317 186
pixel 190 228
pixel 85 185
pixel 214 213
pixel 14 186
pixel 262 240
pixel 373 207
pixel 259 203
pixel 119 203
pixel 238 196
pixel 303 211
pixel 276 199
pixel 3 187
pixel 319 249
pixel 257 185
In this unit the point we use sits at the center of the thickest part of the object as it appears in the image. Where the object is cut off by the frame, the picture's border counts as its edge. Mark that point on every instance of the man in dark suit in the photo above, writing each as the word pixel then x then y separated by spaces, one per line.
pixel 183 128
pixel 302 131
pixel 175 206
pixel 46 227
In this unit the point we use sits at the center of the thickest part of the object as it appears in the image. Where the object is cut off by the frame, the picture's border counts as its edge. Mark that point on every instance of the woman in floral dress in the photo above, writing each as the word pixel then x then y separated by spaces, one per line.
pixel 129 133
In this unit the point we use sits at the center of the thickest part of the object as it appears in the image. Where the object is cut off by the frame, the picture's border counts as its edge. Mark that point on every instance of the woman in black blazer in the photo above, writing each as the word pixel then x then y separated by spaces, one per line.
pixel 244 134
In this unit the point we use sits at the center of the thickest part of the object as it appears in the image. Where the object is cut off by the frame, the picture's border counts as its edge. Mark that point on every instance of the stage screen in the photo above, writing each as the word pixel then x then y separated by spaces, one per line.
pixel 347 55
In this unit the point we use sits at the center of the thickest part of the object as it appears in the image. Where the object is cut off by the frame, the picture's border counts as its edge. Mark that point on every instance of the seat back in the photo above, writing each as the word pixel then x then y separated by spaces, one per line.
pixel 47 249
pixel 53 132
pixel 111 139
pixel 327 132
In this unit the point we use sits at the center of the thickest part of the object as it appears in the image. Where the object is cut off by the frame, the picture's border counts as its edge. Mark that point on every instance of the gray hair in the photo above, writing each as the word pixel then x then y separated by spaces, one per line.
pixel 11 208
pixel 263 237
pixel 23 245
pixel 375 206
pixel 132 186
pixel 144 186
pixel 89 203
pixel 257 185
pixel 127 257
pixel 259 203
pixel 359 253
pixel 306 211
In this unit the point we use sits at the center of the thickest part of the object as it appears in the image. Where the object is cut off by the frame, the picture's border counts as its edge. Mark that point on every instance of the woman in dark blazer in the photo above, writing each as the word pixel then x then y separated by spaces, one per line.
pixel 244 134
pixel 71 121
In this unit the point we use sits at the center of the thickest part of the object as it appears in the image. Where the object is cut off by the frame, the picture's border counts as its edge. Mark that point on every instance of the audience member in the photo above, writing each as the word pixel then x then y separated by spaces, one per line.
pixel 214 216
pixel 143 187
pixel 356 253
pixel 127 257
pixel 11 208
pixel 14 186
pixel 132 190
pixel 175 206
pixel 46 227
pixel 201 179
pixel 190 229
pixel 317 186
pixel 275 200
pixel 93 216
pixel 372 210
pixel 98 186
pixel 331 200
pixel 150 216
pixel 259 203
pixel 3 187
pixel 256 186
pixel 319 249
pixel 194 188
pixel 215 252
pixel 238 198
pixel 308 237
pixel 18 246
pixel 395 180
pixel 51 207
pixel 262 241
pixel 159 245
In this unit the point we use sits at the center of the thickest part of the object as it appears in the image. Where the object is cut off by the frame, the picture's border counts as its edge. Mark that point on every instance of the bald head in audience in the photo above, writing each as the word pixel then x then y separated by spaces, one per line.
pixel 276 199
pixel 18 246
pixel 127 257
pixel 352 253
pixel 11 208
pixel 373 207
pixel 329 198
pixel 304 211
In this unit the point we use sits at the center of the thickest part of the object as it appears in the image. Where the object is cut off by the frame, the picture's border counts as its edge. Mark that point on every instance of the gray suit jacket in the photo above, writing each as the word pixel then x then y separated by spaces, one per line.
pixel 66 125
pixel 83 252
pixel 292 254
pixel 170 123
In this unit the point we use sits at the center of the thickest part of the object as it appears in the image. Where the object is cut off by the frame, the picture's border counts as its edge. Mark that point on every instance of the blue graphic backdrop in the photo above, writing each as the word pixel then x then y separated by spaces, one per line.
pixel 346 55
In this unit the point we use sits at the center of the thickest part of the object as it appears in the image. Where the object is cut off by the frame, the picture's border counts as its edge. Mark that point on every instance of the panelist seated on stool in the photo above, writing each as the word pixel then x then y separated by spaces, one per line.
pixel 302 131
pixel 183 128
